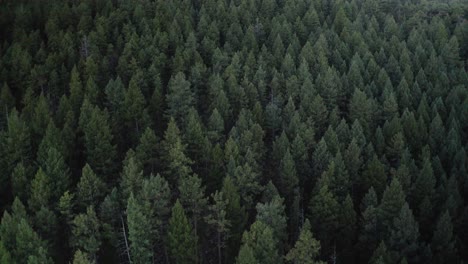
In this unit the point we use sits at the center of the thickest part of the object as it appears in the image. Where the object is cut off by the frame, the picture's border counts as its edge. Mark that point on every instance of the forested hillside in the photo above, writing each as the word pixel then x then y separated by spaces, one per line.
pixel 233 131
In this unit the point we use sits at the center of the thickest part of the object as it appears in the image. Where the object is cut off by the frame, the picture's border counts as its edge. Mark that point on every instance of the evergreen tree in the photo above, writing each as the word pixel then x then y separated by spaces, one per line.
pixel 443 244
pixel 288 175
pixel 179 99
pixel 272 213
pixel 15 147
pixel 323 215
pixel 262 242
pixel 374 176
pixel 86 233
pixel 246 255
pixel 147 151
pixel 393 200
pixel 192 197
pixel 81 258
pixel 90 188
pixel 180 237
pixel 139 233
pixel 134 105
pixel 404 237
pixel 173 154
pixel 306 248
pixel 217 218
pixel 57 172
pixel 100 152
pixel 235 214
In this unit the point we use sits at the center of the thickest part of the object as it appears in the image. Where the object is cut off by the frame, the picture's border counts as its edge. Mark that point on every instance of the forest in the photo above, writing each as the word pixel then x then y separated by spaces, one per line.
pixel 233 131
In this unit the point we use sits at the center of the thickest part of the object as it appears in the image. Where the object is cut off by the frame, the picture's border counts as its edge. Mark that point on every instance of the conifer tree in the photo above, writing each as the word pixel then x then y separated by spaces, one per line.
pixel 443 244
pixel 173 154
pixel 99 149
pixel 217 218
pixel 288 175
pixel 179 99
pixel 404 237
pixel 192 197
pixel 306 248
pixel 393 200
pixel 90 188
pixel 261 240
pixel 180 237
pixel 147 151
pixel 140 234
pixel 86 233
pixel 235 214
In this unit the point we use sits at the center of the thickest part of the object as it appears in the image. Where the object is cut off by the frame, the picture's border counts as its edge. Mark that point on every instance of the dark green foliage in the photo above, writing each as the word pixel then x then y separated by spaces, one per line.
pixel 99 149
pixel 306 248
pixel 90 188
pixel 85 232
pixel 182 241
pixel 443 244
pixel 404 236
pixel 252 115
pixel 179 99
pixel 139 232
pixel 262 242
pixel 393 200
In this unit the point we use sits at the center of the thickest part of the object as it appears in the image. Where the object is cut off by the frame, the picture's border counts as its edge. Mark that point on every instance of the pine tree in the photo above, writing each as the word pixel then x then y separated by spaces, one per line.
pixel 217 218
pixel 5 256
pixel 424 185
pixel 81 258
pixel 261 240
pixel 443 244
pixel 246 256
pixel 179 99
pixel 192 197
pixel 134 105
pixel 41 190
pixel 147 151
pixel 140 234
pixel 86 233
pixel 180 237
pixel 57 171
pixel 90 188
pixel 404 237
pixel 369 235
pixel 173 154
pixel 236 215
pixel 347 228
pixel 20 182
pixel 29 246
pixel 374 176
pixel 288 175
pixel 323 215
pixel 7 101
pixel 76 91
pixel 15 147
pixel 100 152
pixel 380 255
pixel 393 200
pixel 52 139
pixel 272 213
pixel 132 175
pixel 41 117
pixel 306 248
pixel 321 158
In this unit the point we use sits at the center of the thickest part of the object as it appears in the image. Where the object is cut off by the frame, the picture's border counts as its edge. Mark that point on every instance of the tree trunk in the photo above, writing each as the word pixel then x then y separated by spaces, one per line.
pixel 126 241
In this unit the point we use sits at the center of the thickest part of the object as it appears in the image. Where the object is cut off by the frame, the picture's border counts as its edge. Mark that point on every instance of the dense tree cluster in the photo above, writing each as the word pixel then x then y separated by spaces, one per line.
pixel 233 131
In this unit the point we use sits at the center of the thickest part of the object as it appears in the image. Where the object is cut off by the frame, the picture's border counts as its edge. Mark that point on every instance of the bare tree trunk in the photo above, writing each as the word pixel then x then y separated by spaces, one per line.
pixel 126 241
